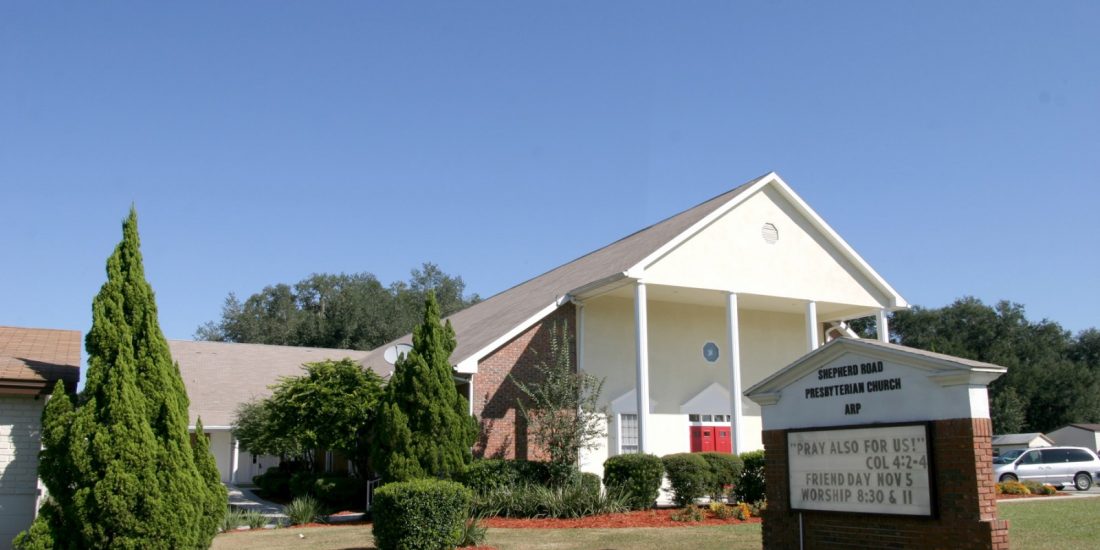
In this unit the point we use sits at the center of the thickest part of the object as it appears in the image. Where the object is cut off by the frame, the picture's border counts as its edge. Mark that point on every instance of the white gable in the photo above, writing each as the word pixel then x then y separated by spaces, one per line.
pixel 713 398
pixel 627 403
pixel 739 251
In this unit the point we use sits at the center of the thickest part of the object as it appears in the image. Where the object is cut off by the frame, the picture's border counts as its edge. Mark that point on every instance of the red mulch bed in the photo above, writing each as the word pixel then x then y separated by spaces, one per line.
pixel 645 518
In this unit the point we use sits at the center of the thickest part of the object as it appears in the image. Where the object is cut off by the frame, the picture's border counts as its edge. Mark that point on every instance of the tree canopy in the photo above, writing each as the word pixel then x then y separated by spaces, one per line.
pixel 331 406
pixel 118 462
pixel 1053 376
pixel 424 428
pixel 345 311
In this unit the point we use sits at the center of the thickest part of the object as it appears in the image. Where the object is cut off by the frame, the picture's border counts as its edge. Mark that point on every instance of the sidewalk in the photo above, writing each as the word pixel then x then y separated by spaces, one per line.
pixel 245 499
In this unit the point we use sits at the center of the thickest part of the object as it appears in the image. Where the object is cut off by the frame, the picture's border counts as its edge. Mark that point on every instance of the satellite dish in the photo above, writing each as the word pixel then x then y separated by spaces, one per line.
pixel 393 352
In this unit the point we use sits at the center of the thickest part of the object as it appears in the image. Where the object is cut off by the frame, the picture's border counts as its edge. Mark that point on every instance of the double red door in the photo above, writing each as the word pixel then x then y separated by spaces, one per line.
pixel 711 438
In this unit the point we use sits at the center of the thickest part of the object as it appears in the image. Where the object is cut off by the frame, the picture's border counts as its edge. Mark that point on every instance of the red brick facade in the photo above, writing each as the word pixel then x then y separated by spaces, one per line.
pixel 495 395
pixel 965 500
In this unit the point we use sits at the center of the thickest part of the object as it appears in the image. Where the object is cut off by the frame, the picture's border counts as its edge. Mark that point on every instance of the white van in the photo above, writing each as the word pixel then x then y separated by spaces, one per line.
pixel 1058 466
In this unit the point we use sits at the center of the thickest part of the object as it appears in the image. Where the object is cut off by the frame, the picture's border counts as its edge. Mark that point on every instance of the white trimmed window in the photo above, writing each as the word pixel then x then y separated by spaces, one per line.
pixel 628 433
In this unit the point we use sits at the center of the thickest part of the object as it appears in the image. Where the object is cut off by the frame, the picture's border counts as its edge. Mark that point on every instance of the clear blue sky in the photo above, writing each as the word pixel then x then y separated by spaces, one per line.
pixel 957 150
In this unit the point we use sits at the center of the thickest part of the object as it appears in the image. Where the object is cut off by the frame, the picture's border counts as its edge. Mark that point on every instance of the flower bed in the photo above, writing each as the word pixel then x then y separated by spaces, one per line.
pixel 644 518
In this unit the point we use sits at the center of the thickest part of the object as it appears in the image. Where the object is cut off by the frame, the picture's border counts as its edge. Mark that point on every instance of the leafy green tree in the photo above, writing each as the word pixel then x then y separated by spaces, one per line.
pixel 1051 380
pixel 335 311
pixel 118 463
pixel 331 406
pixel 424 429
pixel 561 405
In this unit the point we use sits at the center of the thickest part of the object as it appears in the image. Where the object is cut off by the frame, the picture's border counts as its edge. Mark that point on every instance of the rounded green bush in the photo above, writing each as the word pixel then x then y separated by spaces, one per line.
pixel 689 476
pixel 751 486
pixel 725 471
pixel 488 474
pixel 636 476
pixel 424 514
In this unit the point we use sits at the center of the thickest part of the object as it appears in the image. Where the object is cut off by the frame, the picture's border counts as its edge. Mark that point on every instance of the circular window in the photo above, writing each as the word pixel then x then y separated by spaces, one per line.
pixel 710 352
pixel 770 233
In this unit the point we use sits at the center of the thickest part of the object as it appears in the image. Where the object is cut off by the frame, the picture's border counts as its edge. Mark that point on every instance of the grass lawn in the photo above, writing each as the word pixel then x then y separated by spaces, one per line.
pixel 359 537
pixel 1065 523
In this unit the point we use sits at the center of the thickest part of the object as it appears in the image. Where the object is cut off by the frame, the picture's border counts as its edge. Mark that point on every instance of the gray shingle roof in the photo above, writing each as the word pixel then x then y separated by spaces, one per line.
pixel 220 376
pixel 480 325
pixel 1018 439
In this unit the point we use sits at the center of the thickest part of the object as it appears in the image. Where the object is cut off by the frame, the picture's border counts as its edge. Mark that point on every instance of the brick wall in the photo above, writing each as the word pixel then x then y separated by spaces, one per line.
pixel 965 500
pixel 503 435
pixel 20 421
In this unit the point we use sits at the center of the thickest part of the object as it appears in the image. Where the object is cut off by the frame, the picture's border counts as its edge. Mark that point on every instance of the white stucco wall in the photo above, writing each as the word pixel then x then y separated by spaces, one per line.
pixel 677 370
pixel 221 445
pixel 731 254
pixel 20 425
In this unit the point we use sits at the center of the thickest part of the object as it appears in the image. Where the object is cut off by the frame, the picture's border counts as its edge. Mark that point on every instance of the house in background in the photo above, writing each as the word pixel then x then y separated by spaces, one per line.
pixel 221 376
pixel 32 360
pixel 677 318
pixel 1008 442
pixel 1077 435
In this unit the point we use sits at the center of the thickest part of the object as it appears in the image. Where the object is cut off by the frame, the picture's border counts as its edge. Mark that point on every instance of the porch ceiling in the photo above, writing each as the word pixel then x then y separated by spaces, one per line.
pixel 826 311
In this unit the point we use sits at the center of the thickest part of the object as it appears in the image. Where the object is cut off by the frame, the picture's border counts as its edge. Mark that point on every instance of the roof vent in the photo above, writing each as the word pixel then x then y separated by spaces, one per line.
pixel 770 233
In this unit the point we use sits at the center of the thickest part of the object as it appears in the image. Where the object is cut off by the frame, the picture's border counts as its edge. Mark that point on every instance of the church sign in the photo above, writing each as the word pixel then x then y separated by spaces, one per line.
pixel 881 443
pixel 880 470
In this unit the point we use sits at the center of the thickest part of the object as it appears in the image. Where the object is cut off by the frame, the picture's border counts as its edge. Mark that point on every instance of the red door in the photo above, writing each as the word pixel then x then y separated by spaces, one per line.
pixel 722 440
pixel 705 439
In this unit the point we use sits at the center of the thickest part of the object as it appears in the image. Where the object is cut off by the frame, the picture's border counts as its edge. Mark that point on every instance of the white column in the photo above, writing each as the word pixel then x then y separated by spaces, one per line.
pixel 234 461
pixel 641 338
pixel 811 325
pixel 580 336
pixel 470 394
pixel 733 344
pixel 882 326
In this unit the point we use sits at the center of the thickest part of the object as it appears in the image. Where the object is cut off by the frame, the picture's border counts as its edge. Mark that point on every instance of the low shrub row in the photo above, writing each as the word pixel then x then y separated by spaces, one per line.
pixel 332 490
pixel 424 513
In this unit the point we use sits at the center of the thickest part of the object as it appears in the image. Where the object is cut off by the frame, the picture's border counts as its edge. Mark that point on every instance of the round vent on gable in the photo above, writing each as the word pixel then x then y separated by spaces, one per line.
pixel 770 233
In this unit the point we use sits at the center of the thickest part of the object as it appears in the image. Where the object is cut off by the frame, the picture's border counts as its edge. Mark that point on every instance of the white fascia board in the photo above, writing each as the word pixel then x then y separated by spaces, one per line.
pixel 896 301
pixel 469 364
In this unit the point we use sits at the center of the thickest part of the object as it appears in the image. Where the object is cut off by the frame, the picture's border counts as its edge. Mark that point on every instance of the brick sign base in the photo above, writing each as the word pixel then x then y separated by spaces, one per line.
pixel 965 502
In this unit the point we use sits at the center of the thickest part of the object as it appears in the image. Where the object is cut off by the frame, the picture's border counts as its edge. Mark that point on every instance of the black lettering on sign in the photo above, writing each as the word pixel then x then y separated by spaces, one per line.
pixel 852 408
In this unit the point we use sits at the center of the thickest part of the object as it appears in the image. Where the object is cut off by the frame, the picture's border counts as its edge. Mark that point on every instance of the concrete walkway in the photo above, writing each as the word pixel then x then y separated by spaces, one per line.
pixel 245 499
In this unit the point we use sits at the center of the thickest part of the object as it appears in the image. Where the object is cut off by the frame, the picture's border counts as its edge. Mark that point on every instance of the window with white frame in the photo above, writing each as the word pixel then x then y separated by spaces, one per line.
pixel 628 433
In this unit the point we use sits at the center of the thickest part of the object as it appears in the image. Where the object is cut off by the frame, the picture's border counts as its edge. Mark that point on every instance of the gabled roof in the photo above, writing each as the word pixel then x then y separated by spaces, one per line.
pixel 486 326
pixel 1083 426
pixel 220 376
pixel 32 360
pixel 1020 439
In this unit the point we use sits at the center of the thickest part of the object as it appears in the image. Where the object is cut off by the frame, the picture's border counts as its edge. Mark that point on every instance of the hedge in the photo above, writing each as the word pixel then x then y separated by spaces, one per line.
pixel 484 475
pixel 636 476
pixel 751 486
pixel 689 476
pixel 725 471
pixel 424 514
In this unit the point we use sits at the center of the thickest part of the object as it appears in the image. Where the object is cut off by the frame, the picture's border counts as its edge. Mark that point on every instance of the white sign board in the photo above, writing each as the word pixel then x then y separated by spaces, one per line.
pixel 878 470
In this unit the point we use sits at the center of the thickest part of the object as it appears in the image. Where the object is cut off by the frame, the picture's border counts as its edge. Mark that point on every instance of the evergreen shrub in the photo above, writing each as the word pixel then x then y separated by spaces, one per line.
pixel 339 491
pixel 274 483
pixel 751 485
pixel 423 513
pixel 636 476
pixel 689 475
pixel 587 483
pixel 725 471
pixel 484 475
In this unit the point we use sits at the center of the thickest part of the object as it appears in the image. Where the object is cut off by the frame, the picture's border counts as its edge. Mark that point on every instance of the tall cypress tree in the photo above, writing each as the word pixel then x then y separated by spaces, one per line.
pixel 118 463
pixel 424 429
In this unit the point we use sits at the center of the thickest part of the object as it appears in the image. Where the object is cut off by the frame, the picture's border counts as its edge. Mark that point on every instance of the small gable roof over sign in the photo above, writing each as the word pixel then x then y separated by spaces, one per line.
pixel 854 381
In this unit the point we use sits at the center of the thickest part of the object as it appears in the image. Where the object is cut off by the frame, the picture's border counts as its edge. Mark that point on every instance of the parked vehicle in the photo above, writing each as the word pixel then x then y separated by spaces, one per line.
pixel 1008 456
pixel 1056 466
